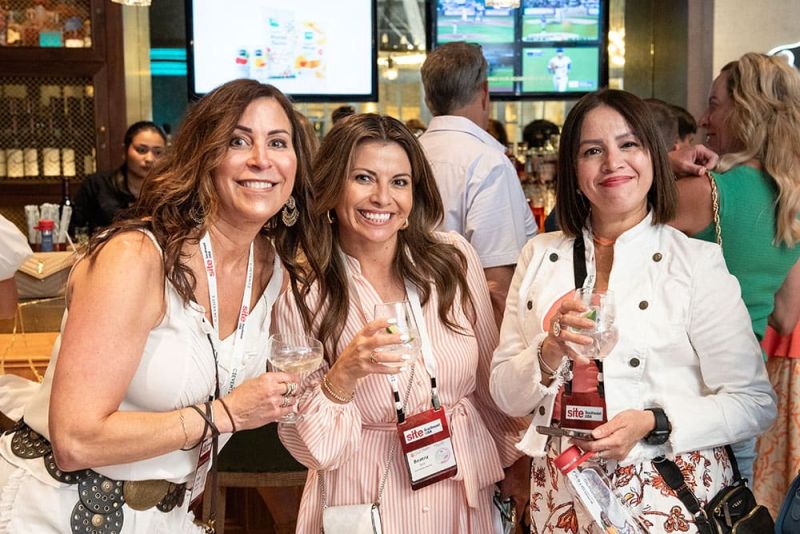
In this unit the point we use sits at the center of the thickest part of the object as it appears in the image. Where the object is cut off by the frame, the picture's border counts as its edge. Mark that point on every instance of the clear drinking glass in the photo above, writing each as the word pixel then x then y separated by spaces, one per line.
pixel 600 309
pixel 404 324
pixel 294 353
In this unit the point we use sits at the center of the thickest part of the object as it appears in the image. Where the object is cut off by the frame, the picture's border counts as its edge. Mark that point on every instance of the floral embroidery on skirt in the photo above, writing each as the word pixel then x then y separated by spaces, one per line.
pixel 554 509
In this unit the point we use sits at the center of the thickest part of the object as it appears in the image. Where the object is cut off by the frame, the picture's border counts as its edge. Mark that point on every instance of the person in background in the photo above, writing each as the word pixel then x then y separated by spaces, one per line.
pixel 376 209
pixel 342 112
pixel 666 121
pixel 416 126
pixel 310 134
pixel 164 343
pixel 687 126
pixel 537 132
pixel 753 122
pixel 685 377
pixel 14 250
pixel 481 193
pixel 103 195
pixel 498 130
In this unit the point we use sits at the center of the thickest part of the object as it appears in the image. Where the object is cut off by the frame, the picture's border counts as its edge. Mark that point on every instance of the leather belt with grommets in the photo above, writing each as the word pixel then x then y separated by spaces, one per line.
pixel 100 504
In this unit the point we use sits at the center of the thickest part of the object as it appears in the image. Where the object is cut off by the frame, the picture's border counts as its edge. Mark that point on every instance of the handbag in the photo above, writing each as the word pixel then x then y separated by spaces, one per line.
pixel 733 510
pixel 789 517
pixel 352 519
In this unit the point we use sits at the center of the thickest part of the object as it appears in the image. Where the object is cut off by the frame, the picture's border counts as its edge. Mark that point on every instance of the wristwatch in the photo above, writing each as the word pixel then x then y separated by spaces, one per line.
pixel 660 434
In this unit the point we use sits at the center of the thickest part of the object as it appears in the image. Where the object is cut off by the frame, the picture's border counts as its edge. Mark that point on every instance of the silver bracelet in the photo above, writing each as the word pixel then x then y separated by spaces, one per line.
pixel 543 364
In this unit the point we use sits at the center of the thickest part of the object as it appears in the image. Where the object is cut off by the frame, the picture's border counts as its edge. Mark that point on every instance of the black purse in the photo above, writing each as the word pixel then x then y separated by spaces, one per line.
pixel 733 510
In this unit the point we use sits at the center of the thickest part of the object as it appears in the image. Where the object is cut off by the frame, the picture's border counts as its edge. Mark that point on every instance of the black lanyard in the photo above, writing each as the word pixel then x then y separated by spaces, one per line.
pixel 579 261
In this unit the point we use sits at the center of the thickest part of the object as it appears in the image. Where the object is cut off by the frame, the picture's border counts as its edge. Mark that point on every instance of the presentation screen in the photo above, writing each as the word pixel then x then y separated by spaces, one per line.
pixel 313 50
pixel 535 48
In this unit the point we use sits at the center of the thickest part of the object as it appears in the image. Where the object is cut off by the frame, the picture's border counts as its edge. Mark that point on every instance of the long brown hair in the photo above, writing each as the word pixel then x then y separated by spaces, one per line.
pixel 420 257
pixel 572 208
pixel 179 198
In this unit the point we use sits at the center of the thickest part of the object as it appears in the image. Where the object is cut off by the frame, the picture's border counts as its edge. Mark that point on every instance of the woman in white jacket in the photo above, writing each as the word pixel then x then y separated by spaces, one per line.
pixel 686 376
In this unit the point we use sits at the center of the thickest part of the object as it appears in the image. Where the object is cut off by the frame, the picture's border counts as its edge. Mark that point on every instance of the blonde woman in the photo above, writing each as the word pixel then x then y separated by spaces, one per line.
pixel 753 122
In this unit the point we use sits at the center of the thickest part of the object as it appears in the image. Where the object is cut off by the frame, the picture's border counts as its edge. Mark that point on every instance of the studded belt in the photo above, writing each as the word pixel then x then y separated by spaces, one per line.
pixel 99 509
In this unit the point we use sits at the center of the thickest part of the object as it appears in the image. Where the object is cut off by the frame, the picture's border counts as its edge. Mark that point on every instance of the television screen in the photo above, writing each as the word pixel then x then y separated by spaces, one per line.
pixel 535 48
pixel 313 50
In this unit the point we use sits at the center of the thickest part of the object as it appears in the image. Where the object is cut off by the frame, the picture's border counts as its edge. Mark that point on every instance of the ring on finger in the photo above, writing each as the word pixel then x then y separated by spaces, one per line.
pixel 557 327
pixel 372 359
pixel 291 387
pixel 287 401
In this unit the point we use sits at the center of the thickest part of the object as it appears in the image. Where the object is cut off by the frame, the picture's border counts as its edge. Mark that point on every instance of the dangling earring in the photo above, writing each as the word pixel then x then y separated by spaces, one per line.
pixel 405 224
pixel 331 218
pixel 290 213
pixel 196 215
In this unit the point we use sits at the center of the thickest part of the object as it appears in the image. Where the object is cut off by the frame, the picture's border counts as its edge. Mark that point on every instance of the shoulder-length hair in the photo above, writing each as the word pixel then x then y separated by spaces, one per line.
pixel 765 122
pixel 179 200
pixel 572 208
pixel 420 257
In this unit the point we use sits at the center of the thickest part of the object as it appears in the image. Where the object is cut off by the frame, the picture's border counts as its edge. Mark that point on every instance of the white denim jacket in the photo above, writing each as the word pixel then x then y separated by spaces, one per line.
pixel 686 343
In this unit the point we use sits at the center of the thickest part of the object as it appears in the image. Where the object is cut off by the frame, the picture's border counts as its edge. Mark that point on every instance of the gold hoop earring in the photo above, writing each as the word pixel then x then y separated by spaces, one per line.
pixel 290 213
pixel 405 224
pixel 331 218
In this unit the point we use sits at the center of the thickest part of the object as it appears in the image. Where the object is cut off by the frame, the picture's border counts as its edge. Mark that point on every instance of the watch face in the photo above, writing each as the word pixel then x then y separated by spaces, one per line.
pixel 657 437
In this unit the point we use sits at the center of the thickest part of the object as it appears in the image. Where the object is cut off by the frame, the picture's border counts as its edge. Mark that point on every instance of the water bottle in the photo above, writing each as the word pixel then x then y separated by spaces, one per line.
pixel 46 227
pixel 591 485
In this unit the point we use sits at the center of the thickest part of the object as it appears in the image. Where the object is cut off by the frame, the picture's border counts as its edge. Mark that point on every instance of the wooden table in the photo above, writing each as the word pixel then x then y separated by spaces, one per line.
pixel 20 352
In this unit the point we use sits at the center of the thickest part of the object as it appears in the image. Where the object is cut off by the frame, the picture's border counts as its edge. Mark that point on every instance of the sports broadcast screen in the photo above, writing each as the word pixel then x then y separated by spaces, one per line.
pixel 535 48
pixel 313 50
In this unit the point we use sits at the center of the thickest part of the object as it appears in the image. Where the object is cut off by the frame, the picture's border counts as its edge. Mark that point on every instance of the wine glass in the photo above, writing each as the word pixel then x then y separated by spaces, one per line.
pixel 404 323
pixel 600 309
pixel 294 353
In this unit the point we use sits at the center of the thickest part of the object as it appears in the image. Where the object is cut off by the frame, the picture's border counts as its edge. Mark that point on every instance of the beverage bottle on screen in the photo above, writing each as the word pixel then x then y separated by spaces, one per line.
pixel 242 64
pixel 596 493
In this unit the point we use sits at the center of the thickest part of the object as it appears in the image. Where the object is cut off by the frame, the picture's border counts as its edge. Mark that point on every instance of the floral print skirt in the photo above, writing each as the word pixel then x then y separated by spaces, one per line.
pixel 554 509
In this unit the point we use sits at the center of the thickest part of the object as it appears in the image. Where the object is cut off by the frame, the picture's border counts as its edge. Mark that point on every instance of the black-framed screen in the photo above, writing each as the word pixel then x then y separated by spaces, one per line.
pixel 544 49
pixel 313 50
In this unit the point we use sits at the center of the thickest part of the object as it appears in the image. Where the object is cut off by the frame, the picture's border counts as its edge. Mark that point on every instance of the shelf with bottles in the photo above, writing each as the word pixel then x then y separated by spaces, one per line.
pixel 46 131
pixel 536 168
pixel 45 23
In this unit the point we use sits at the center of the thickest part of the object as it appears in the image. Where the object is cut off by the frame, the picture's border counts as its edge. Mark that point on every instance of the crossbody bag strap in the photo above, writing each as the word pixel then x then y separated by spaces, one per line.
pixel 715 207
pixel 389 459
pixel 672 475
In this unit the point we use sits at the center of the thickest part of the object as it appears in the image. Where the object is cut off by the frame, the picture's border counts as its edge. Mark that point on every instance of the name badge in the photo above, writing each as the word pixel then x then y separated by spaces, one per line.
pixel 427 447
pixel 201 472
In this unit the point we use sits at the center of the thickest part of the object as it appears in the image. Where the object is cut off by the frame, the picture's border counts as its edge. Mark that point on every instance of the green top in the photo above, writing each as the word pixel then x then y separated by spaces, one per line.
pixel 747 217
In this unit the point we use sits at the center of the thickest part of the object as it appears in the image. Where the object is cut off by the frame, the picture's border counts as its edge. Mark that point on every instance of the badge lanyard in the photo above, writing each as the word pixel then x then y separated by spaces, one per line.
pixel 237 354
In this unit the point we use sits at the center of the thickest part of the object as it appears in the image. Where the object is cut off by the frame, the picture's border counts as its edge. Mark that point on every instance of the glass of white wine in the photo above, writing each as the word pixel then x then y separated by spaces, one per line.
pixel 404 323
pixel 294 353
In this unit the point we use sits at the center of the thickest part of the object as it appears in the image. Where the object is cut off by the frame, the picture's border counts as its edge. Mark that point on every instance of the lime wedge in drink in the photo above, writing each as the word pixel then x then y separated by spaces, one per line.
pixel 392 329
pixel 591 315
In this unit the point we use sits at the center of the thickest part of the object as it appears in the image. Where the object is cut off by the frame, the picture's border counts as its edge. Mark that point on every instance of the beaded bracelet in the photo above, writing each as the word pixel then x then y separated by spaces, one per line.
pixel 329 389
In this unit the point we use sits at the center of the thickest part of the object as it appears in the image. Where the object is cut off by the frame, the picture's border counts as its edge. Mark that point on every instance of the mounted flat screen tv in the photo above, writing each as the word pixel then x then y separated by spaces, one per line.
pixel 313 50
pixel 542 49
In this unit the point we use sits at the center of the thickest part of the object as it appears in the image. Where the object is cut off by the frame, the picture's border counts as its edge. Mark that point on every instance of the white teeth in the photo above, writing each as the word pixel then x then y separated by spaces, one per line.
pixel 376 217
pixel 254 184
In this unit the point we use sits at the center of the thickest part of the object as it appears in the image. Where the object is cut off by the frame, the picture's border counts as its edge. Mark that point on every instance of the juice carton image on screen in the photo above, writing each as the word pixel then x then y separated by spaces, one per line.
pixel 258 66
pixel 281 44
pixel 310 60
pixel 242 63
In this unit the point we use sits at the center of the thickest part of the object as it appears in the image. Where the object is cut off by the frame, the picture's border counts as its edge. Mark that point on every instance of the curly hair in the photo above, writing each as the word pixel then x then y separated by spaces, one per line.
pixel 765 123
pixel 179 200
pixel 420 257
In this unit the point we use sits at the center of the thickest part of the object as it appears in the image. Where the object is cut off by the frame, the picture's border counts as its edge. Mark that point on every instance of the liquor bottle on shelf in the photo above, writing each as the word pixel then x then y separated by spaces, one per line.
pixel 15 162
pixel 51 150
pixel 67 150
pixel 5 134
pixel 30 150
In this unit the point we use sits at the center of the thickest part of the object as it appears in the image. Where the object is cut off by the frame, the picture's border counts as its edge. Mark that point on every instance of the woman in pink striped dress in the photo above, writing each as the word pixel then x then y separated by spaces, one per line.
pixel 376 208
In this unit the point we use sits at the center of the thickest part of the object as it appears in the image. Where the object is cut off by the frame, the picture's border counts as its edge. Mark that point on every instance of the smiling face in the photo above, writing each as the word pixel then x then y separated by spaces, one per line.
pixel 377 197
pixel 258 171
pixel 145 148
pixel 715 119
pixel 614 170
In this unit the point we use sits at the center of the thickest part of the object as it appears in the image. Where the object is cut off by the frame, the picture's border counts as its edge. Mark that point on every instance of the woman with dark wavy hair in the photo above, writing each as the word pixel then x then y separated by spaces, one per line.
pixel 375 209
pixel 164 344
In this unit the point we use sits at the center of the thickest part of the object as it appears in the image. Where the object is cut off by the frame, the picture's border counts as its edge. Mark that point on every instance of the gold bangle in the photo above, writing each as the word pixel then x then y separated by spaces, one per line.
pixel 331 391
pixel 185 433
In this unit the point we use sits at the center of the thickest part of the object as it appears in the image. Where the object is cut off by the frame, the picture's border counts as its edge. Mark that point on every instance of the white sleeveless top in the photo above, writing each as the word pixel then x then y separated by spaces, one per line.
pixel 176 370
